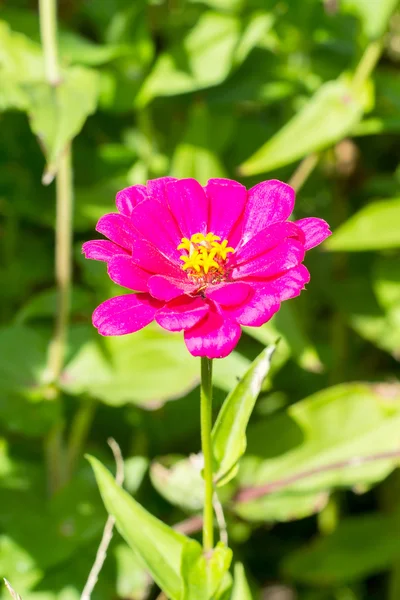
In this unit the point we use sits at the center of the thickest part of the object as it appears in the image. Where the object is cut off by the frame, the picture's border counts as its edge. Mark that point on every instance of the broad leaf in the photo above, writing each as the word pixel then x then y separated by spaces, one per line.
pixel 58 114
pixel 374 227
pixel 241 589
pixel 374 15
pixel 325 119
pixel 332 427
pixel 160 547
pixel 203 577
pixel 229 432
pixel 360 546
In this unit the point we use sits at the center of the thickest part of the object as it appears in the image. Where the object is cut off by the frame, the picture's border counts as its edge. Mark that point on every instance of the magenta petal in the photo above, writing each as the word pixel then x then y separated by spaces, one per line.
pixel 157 188
pixel 229 294
pixel 118 228
pixel 227 200
pixel 150 258
pixel 189 205
pixel 290 284
pixel 267 203
pixel 265 240
pixel 155 223
pixel 315 231
pixel 182 313
pixel 167 288
pixel 125 314
pixel 101 250
pixel 213 337
pixel 129 197
pixel 286 255
pixel 259 309
pixel 124 272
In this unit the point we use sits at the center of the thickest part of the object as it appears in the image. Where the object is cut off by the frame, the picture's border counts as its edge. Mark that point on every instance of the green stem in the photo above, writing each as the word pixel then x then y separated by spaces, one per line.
pixel 79 431
pixel 48 34
pixel 206 423
pixel 367 63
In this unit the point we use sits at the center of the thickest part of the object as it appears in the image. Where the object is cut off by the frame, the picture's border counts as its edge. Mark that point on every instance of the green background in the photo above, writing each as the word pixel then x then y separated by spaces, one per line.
pixel 244 89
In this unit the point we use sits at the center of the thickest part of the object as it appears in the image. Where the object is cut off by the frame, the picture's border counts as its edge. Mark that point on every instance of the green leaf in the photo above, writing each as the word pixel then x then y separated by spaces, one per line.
pixel 181 483
pixel 204 58
pixel 241 589
pixel 194 155
pixel 374 15
pixel 58 114
pixel 160 547
pixel 327 117
pixel 374 227
pixel 335 425
pixel 203 577
pixel 360 546
pixel 229 432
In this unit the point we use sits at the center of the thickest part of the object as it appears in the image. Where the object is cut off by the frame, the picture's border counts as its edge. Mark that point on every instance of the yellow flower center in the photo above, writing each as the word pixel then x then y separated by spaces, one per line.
pixel 205 256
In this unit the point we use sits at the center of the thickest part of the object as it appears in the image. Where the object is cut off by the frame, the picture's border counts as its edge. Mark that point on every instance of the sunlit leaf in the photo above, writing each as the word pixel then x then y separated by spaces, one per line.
pixel 241 589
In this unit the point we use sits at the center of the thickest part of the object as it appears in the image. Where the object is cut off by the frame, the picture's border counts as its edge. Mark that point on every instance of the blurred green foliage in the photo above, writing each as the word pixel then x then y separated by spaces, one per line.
pixel 204 88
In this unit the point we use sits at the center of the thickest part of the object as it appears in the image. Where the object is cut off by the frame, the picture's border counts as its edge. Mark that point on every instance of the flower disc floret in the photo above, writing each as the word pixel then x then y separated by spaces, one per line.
pixel 205 255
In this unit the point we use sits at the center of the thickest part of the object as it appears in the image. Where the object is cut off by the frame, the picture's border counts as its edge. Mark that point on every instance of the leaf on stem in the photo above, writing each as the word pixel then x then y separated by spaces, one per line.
pixel 229 432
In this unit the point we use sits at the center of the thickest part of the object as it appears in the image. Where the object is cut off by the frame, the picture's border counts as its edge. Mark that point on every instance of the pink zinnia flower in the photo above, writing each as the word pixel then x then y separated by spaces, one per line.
pixel 202 260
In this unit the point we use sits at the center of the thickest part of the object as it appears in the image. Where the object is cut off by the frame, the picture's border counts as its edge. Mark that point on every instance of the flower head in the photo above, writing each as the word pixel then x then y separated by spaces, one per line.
pixel 202 260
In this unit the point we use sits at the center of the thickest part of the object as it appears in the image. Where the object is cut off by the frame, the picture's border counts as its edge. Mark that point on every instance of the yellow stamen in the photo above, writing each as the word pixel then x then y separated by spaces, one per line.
pixel 205 256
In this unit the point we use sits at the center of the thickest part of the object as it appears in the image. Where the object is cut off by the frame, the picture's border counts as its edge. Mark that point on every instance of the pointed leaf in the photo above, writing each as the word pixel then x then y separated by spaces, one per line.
pixel 374 227
pixel 203 577
pixel 160 547
pixel 327 117
pixel 241 589
pixel 229 432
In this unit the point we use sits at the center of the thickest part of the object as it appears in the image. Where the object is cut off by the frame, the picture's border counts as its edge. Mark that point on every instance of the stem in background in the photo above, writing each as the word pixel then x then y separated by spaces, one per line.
pixel 48 34
pixel 63 270
pixel 79 431
pixel 303 171
pixel 205 423
pixel 367 63
pixel 63 244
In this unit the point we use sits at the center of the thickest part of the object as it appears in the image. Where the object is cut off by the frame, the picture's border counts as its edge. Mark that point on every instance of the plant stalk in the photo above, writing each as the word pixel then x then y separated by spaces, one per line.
pixel 48 34
pixel 206 423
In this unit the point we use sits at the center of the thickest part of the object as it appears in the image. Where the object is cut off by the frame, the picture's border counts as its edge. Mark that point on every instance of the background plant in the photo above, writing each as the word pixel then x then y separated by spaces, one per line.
pixel 202 89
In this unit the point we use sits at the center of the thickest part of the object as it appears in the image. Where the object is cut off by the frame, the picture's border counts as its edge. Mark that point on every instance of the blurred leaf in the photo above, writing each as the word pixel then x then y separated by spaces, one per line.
pixel 374 15
pixel 194 155
pixel 44 305
pixel 181 483
pixel 204 58
pixel 133 581
pixel 160 547
pixel 347 554
pixel 229 431
pixel 58 114
pixel 374 227
pixel 241 589
pixel 327 117
pixel 337 424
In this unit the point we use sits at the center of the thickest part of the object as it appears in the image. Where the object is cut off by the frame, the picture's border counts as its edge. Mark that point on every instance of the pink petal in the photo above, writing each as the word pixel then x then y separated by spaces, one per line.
pixel 227 200
pixel 315 231
pixel 118 229
pixel 150 258
pixel 124 272
pixel 189 205
pixel 267 203
pixel 286 255
pixel 257 310
pixel 182 313
pixel 290 284
pixel 229 294
pixel 155 223
pixel 167 288
pixel 157 188
pixel 265 240
pixel 101 250
pixel 125 314
pixel 214 336
pixel 127 198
